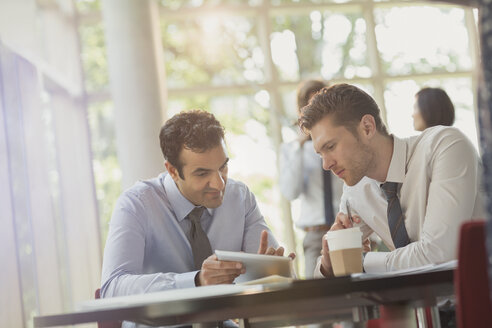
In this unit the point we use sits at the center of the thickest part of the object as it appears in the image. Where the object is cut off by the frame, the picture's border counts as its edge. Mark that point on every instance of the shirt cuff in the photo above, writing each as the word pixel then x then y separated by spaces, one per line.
pixel 375 262
pixel 186 280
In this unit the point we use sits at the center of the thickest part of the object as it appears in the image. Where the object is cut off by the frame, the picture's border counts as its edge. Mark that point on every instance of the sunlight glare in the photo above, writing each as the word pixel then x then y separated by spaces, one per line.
pixel 284 55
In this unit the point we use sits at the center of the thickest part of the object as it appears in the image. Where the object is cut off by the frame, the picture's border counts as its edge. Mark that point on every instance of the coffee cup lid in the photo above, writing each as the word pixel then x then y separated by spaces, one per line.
pixel 344 238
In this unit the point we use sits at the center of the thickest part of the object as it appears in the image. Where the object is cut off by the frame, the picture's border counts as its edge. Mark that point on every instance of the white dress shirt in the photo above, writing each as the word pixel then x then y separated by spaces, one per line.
pixel 301 177
pixel 440 174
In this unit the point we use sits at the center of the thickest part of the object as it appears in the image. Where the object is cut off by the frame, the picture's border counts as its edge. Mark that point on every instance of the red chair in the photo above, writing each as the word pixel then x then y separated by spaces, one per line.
pixel 106 324
pixel 471 282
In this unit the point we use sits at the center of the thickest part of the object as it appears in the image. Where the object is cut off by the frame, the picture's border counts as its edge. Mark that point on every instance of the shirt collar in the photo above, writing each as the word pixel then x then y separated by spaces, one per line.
pixel 180 205
pixel 396 170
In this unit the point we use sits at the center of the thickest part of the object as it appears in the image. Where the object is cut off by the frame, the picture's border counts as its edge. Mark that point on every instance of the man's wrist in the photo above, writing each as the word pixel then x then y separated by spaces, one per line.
pixel 197 279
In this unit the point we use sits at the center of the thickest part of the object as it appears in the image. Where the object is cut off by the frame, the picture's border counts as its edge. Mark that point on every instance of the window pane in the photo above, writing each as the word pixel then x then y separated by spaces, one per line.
pixel 400 98
pixel 212 50
pixel 320 43
pixel 84 6
pixel 188 4
pixel 107 171
pixel 422 39
pixel 307 2
pixel 93 57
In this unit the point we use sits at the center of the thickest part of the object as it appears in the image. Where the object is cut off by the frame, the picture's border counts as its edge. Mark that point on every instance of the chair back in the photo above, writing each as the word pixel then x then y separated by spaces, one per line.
pixel 471 282
pixel 106 324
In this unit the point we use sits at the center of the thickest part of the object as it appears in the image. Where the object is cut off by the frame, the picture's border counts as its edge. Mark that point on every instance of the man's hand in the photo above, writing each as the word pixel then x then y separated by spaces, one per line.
pixel 216 272
pixel 366 245
pixel 342 221
pixel 268 250
pixel 325 268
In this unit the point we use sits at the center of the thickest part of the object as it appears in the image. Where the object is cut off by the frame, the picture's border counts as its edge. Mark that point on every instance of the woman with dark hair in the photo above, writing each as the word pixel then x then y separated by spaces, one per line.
pixel 432 107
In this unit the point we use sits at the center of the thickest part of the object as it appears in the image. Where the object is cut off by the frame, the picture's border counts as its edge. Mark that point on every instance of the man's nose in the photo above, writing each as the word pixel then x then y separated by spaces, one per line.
pixel 327 163
pixel 218 181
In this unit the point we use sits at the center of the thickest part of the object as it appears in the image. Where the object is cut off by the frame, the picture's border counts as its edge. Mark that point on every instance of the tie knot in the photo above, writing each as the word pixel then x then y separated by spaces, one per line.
pixel 389 189
pixel 196 213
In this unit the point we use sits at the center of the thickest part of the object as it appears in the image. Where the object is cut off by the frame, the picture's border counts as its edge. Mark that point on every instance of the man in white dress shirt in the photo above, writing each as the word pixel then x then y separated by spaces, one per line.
pixel 301 176
pixel 436 179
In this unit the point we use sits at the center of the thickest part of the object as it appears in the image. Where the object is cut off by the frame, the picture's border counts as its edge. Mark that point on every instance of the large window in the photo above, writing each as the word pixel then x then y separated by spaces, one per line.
pixel 242 60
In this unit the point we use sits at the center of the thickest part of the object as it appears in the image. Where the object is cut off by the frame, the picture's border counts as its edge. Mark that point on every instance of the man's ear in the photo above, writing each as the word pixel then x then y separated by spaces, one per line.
pixel 368 126
pixel 173 171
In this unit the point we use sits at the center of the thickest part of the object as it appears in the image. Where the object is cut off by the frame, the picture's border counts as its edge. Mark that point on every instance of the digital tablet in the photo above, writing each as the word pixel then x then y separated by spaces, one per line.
pixel 258 266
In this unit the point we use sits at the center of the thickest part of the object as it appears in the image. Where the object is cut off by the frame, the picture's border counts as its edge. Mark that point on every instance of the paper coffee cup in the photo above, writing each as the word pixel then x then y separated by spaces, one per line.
pixel 345 250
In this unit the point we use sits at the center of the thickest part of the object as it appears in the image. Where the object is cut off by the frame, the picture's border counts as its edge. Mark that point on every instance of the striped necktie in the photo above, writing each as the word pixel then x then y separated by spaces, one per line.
pixel 396 219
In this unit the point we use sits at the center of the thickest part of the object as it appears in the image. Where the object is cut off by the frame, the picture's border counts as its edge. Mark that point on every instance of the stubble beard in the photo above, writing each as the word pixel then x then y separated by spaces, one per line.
pixel 363 162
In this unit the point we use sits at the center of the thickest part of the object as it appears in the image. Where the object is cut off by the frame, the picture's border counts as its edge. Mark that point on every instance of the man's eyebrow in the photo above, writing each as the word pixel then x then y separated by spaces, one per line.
pixel 203 170
pixel 325 145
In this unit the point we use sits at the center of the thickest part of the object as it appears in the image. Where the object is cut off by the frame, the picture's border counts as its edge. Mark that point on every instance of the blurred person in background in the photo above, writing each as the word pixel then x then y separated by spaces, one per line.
pixel 432 107
pixel 302 176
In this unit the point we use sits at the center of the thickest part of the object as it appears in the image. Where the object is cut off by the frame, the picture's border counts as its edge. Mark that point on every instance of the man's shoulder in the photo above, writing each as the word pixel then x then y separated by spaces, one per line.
pixel 236 186
pixel 436 141
pixel 440 131
pixel 144 189
pixel 437 137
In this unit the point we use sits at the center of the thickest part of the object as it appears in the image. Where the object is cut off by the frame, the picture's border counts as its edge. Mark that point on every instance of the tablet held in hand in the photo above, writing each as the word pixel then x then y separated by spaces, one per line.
pixel 258 265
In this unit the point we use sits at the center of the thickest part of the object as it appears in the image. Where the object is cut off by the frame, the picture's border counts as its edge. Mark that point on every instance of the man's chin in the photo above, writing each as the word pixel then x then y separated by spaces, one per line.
pixel 213 203
pixel 351 182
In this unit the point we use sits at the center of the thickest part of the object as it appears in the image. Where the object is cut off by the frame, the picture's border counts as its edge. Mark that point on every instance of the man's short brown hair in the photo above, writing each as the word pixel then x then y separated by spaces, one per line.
pixel 195 130
pixel 346 103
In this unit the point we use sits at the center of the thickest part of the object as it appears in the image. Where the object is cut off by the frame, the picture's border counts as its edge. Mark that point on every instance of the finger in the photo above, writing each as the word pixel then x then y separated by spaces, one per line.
pixel 209 261
pixel 325 259
pixel 218 279
pixel 270 251
pixel 221 265
pixel 292 256
pixel 263 242
pixel 279 251
pixel 229 279
pixel 215 273
pixel 324 245
pixel 366 245
pixel 342 221
pixel 356 218
pixel 212 257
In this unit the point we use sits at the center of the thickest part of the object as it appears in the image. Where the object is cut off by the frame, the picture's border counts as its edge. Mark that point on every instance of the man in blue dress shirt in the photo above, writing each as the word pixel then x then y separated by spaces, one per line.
pixel 149 247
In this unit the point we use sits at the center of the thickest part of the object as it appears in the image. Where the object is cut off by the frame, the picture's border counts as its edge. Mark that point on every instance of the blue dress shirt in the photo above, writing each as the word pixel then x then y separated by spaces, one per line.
pixel 147 248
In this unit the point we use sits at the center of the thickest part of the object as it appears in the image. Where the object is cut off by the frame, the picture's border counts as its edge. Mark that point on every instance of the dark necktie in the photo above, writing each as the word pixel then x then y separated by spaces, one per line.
pixel 329 217
pixel 396 219
pixel 200 245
